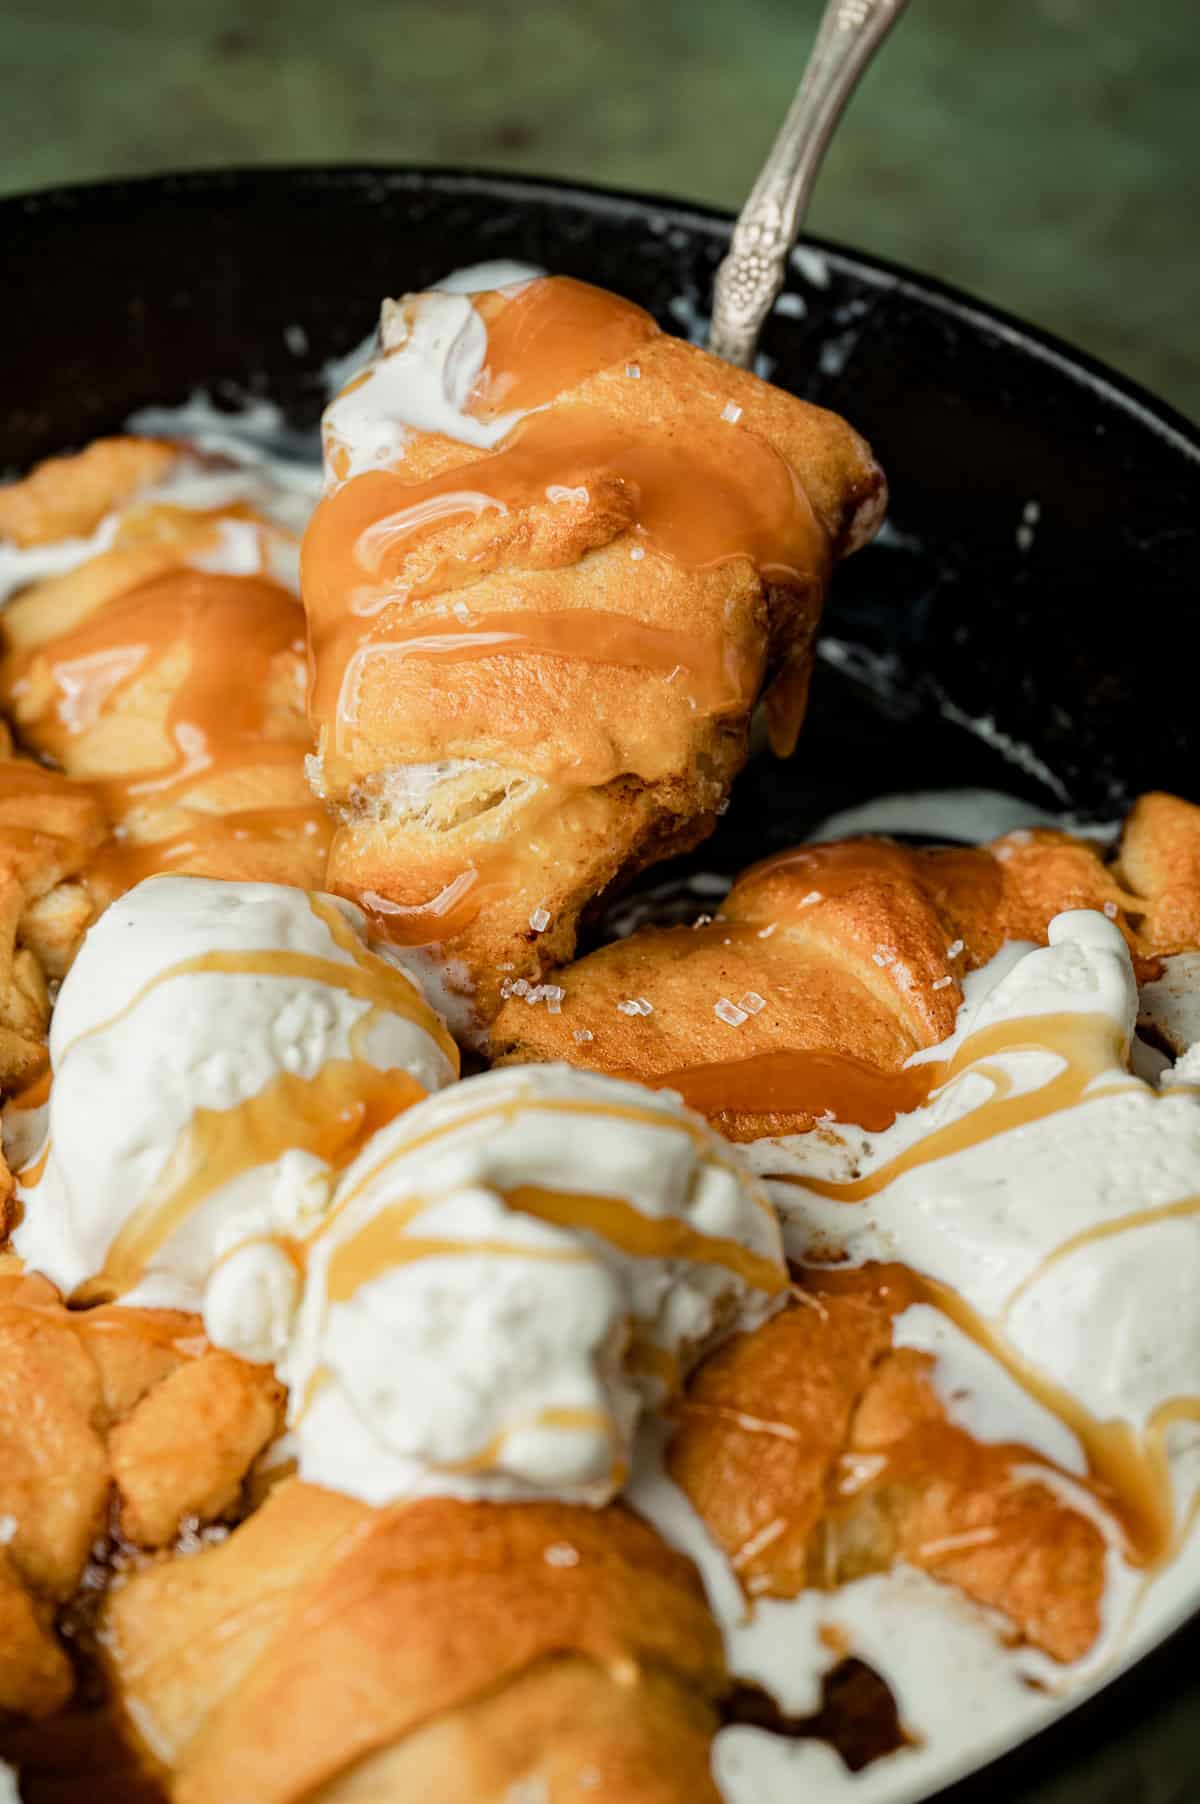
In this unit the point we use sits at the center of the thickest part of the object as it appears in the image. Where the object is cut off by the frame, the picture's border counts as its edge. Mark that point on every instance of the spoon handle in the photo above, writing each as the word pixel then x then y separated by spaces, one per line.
pixel 752 272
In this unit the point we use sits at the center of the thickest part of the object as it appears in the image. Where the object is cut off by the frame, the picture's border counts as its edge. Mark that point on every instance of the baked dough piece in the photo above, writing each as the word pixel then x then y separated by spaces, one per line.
pixel 50 830
pixel 108 1417
pixel 67 497
pixel 175 690
pixel 329 1651
pixel 535 662
pixel 829 966
pixel 816 1453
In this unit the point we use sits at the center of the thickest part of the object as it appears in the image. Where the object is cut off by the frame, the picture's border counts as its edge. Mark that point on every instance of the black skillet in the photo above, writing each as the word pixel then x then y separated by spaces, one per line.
pixel 1037 588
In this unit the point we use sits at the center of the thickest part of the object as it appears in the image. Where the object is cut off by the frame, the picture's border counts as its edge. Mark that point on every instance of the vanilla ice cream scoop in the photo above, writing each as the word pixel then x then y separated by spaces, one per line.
pixel 218 1051
pixel 506 1275
pixel 1049 1200
pixel 422 371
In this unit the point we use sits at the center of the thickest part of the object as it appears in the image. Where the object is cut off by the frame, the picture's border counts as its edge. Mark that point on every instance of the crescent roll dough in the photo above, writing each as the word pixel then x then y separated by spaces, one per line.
pixel 535 661
pixel 827 967
pixel 332 1652
pixel 175 690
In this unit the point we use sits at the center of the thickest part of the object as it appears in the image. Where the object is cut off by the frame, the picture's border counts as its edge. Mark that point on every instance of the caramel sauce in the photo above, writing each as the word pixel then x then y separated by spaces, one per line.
pixel 1088 1045
pixel 367 978
pixel 445 916
pixel 624 1227
pixel 385 986
pixel 1104 1230
pixel 802 1082
pixel 1128 1471
pixel 22 779
pixel 551 336
pixel 1129 1466
pixel 702 502
pixel 786 704
pixel 558 1105
pixel 384 1242
pixel 330 1115
pixel 32 1175
pixel 572 1421
pixel 216 840
pixel 225 624
pixel 717 678
pixel 209 723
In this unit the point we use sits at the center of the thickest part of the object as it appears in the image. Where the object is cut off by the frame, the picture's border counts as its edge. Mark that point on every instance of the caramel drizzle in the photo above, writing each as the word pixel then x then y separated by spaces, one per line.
pixel 215 840
pixel 380 542
pixel 562 1420
pixel 367 978
pixel 550 337
pixel 802 1082
pixel 510 1110
pixel 1133 1466
pixel 331 1115
pixel 699 503
pixel 715 684
pixel 1088 1045
pixel 214 724
pixel 551 824
pixel 1103 1230
pixel 225 623
pixel 383 1241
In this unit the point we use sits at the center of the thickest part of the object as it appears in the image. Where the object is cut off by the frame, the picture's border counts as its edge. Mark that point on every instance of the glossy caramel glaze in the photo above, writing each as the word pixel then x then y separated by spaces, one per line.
pixel 174 694
pixel 563 636
pixel 382 544
pixel 848 958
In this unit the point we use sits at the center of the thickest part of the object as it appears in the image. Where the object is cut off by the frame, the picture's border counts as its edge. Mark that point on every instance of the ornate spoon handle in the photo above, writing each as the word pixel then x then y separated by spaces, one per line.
pixel 752 273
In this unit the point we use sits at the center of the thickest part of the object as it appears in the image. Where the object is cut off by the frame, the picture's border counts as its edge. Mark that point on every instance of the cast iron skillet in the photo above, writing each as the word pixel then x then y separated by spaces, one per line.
pixel 1039 579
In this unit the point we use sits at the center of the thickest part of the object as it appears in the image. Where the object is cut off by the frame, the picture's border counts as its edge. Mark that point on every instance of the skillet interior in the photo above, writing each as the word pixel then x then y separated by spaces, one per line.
pixel 1038 579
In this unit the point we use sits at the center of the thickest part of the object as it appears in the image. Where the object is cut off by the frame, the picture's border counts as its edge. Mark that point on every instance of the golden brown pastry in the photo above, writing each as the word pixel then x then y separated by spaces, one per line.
pixel 816 1453
pixel 328 1652
pixel 67 497
pixel 108 1417
pixel 50 832
pixel 829 966
pixel 176 692
pixel 535 662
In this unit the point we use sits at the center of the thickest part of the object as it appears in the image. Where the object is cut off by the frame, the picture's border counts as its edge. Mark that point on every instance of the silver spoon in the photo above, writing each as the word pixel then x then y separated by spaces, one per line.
pixel 753 271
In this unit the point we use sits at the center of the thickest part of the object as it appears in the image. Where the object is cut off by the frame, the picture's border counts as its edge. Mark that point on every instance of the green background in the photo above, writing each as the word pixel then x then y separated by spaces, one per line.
pixel 1041 153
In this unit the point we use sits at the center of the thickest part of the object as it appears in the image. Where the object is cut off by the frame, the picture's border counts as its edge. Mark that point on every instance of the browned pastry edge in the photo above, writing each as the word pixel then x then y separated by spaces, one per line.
pixel 816 1453
pixel 111 1418
pixel 326 1648
pixel 854 949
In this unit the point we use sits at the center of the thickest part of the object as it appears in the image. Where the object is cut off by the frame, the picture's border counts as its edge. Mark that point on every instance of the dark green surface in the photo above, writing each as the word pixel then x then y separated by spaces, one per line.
pixel 1041 153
